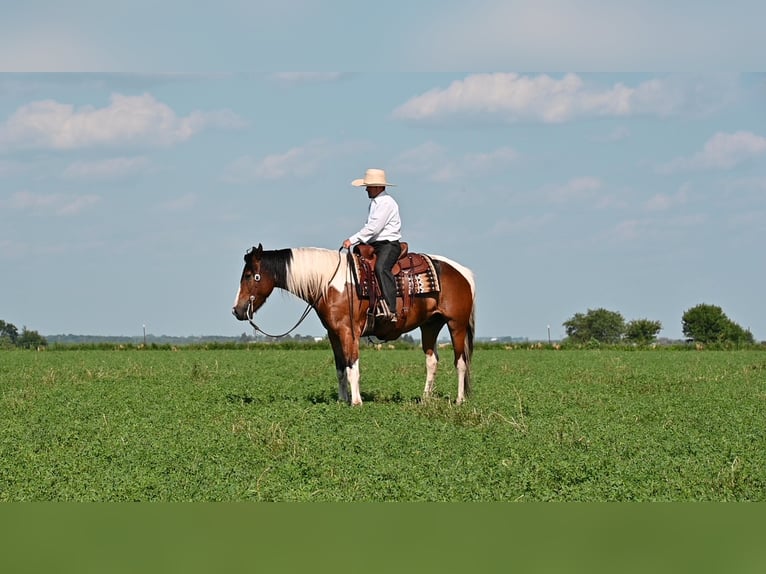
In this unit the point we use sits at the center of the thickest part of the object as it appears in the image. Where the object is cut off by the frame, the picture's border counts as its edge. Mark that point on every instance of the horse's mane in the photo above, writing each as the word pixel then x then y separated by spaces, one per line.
pixel 312 270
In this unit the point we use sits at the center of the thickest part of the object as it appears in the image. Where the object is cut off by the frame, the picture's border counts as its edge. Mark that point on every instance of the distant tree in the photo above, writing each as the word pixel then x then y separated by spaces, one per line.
pixel 31 339
pixel 738 335
pixel 642 331
pixel 597 324
pixel 10 337
pixel 9 331
pixel 709 324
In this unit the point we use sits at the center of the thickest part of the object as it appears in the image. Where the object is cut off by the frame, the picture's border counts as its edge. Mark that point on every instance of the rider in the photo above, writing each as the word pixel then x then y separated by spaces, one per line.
pixel 383 231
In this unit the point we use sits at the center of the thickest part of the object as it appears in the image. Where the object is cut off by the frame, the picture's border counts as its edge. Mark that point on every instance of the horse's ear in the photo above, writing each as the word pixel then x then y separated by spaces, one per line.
pixel 258 251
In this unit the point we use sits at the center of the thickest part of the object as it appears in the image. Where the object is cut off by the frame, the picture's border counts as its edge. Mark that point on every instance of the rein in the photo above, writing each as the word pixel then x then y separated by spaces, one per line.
pixel 350 297
pixel 250 314
pixel 306 311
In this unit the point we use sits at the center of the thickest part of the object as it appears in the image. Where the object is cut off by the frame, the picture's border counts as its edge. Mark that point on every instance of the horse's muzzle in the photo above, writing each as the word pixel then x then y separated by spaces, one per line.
pixel 240 315
pixel 243 313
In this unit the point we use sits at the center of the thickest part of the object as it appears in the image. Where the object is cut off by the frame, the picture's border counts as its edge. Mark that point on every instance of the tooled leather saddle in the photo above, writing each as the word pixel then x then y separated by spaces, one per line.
pixel 415 274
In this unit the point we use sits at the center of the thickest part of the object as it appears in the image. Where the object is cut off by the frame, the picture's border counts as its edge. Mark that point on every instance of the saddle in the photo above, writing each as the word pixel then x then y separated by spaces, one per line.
pixel 415 274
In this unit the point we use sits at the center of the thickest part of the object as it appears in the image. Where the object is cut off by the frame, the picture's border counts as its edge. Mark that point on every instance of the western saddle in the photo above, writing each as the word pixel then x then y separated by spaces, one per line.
pixel 415 274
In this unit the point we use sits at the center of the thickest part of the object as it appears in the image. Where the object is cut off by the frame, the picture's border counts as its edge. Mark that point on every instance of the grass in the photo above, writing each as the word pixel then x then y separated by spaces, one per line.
pixel 265 425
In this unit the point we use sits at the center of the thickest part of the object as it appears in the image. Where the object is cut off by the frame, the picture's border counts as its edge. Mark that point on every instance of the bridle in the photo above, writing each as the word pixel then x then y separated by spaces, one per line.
pixel 309 306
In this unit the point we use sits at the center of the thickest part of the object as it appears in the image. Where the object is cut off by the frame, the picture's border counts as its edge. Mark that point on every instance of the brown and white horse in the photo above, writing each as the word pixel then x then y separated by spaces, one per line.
pixel 324 279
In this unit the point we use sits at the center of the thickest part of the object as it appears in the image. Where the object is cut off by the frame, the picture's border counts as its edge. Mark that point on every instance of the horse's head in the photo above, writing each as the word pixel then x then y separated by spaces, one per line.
pixel 255 285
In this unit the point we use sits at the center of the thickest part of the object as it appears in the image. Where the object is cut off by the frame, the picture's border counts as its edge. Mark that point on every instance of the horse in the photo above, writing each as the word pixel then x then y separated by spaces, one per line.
pixel 328 283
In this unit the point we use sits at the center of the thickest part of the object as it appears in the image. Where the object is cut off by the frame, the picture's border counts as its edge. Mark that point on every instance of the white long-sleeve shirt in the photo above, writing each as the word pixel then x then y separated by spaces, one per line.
pixel 383 222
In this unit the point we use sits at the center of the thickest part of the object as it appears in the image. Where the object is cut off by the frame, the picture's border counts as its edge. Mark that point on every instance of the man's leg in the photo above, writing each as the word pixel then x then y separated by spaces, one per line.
pixel 388 253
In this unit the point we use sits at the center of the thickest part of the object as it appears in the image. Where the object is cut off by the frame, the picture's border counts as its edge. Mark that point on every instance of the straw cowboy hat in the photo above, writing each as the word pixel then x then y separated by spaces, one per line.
pixel 372 177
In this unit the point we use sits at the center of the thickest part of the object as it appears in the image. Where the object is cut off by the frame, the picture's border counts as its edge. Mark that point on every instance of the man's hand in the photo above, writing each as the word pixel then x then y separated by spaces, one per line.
pixel 346 244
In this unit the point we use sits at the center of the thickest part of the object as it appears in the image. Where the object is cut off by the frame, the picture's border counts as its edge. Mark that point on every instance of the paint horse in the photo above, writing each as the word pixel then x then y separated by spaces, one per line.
pixel 329 283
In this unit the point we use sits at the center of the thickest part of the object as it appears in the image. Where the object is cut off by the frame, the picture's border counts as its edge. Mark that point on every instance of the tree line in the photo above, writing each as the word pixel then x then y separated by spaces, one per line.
pixel 27 339
pixel 703 323
pixel 706 324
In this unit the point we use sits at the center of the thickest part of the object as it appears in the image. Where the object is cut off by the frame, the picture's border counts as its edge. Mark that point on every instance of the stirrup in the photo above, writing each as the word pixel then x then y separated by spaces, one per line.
pixel 383 310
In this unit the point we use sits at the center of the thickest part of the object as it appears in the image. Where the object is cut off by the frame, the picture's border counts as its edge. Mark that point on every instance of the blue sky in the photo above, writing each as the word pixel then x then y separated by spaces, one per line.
pixel 129 197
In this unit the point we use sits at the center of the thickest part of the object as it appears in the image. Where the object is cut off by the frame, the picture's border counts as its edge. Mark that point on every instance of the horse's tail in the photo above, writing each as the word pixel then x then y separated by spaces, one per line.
pixel 469 333
pixel 471 327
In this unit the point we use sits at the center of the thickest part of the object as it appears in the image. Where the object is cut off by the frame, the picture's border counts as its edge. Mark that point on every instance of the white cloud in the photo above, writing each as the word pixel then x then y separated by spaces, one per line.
pixel 722 151
pixel 298 162
pixel 654 229
pixel 577 189
pixel 107 169
pixel 524 226
pixel 54 203
pixel 72 205
pixel 481 162
pixel 512 97
pixel 127 120
pixel 432 162
pixel 663 202
pixel 629 230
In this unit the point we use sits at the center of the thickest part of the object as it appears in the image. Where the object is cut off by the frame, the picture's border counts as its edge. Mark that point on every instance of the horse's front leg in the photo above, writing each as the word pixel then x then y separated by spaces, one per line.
pixel 340 366
pixel 348 377
pixel 346 353
pixel 352 375
pixel 342 384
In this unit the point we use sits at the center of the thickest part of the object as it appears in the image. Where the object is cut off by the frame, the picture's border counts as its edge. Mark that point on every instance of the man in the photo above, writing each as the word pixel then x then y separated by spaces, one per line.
pixel 383 231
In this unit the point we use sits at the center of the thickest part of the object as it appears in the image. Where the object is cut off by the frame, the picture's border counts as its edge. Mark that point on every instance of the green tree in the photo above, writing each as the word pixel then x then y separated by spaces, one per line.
pixel 31 339
pixel 597 324
pixel 642 331
pixel 8 334
pixel 738 335
pixel 709 324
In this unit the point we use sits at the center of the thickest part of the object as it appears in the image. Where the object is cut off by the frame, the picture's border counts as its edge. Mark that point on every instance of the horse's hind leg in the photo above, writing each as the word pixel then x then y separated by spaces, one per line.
pixel 462 347
pixel 428 333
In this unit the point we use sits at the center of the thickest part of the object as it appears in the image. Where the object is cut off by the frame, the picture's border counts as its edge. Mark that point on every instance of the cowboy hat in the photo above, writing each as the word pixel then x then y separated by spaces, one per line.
pixel 372 177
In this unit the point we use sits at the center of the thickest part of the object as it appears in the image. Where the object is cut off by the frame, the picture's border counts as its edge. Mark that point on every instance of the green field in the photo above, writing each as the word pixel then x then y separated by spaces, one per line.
pixel 264 425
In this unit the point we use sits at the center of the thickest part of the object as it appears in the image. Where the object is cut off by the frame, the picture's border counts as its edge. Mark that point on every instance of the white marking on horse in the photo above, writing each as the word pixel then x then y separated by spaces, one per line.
pixel 432 362
pixel 461 371
pixel 239 294
pixel 352 374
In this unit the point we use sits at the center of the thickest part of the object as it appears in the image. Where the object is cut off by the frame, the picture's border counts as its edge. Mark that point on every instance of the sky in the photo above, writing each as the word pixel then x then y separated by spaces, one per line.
pixel 144 149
